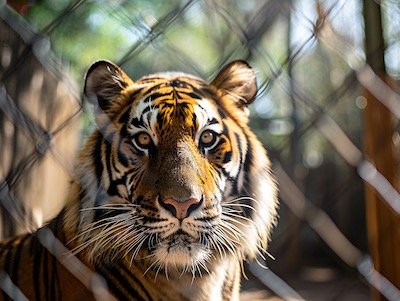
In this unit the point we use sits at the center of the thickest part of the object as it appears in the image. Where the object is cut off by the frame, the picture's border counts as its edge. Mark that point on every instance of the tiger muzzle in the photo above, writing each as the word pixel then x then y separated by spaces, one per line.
pixel 179 184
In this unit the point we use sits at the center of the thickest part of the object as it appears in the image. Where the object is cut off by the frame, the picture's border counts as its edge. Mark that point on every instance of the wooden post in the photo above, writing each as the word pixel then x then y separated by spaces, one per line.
pixel 383 223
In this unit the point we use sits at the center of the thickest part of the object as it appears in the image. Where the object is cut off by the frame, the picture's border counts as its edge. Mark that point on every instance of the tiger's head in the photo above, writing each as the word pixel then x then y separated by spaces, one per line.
pixel 173 173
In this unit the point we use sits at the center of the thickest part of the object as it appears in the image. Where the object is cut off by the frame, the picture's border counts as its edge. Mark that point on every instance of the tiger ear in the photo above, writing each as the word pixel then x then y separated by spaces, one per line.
pixel 104 82
pixel 238 80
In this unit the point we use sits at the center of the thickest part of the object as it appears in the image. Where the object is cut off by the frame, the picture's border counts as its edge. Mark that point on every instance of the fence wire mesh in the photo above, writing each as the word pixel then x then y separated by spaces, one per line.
pixel 314 80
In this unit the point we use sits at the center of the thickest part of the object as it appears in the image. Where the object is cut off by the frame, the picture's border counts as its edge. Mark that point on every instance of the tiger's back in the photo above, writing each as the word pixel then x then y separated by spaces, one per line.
pixel 171 193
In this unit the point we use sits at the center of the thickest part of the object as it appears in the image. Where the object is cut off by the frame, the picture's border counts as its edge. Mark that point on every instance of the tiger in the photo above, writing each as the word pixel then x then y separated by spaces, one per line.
pixel 171 193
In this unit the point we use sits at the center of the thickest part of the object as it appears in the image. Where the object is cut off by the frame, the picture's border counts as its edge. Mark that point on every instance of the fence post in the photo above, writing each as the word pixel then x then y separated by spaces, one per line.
pixel 383 223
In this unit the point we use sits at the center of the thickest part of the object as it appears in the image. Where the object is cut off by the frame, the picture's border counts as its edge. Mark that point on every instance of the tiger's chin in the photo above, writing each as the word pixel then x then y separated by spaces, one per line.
pixel 177 253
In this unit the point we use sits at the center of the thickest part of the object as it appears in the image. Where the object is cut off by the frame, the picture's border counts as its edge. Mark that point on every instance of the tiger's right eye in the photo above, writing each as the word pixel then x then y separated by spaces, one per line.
pixel 208 138
pixel 143 140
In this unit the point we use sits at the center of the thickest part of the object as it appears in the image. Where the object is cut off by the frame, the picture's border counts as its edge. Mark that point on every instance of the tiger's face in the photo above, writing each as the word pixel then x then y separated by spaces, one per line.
pixel 174 174
pixel 183 152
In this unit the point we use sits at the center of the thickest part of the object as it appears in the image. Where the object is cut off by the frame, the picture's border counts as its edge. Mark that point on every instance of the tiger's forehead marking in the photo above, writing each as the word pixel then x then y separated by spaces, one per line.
pixel 174 99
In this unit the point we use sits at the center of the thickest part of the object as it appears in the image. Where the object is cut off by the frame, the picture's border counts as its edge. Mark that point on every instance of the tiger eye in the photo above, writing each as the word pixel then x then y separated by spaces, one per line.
pixel 143 139
pixel 207 137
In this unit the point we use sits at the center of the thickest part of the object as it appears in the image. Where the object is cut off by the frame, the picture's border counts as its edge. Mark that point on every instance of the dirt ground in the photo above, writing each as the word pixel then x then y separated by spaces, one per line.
pixel 311 284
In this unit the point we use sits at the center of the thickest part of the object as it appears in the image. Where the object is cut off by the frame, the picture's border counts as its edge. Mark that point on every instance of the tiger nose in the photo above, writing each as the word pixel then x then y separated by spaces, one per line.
pixel 180 209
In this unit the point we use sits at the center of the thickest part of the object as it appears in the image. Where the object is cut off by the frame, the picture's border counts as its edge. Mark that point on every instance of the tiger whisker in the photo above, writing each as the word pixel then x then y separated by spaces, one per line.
pixel 141 241
pixel 218 247
pixel 234 203
pixel 166 271
pixel 99 224
pixel 155 262
pixel 234 230
pixel 111 207
pixel 119 217
pixel 228 206
pixel 195 267
pixel 103 229
pixel 239 235
pixel 246 198
pixel 157 271
pixel 160 265
pixel 221 238
pixel 228 216
pixel 98 237
pixel 203 265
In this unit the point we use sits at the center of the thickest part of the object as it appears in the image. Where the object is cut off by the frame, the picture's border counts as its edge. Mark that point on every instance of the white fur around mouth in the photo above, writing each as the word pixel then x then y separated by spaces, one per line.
pixel 181 252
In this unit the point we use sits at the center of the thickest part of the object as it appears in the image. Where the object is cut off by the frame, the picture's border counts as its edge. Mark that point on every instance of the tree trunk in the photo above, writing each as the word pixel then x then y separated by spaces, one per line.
pixel 383 223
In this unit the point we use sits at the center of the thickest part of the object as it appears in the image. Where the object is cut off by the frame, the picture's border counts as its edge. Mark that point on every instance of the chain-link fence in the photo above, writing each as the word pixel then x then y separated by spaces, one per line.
pixel 327 110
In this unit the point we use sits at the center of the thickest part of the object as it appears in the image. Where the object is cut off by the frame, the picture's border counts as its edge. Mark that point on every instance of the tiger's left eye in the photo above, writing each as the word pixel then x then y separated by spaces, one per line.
pixel 143 140
pixel 208 138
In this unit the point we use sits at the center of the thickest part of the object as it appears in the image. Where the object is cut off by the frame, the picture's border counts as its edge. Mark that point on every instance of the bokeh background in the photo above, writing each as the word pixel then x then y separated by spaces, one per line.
pixel 327 110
